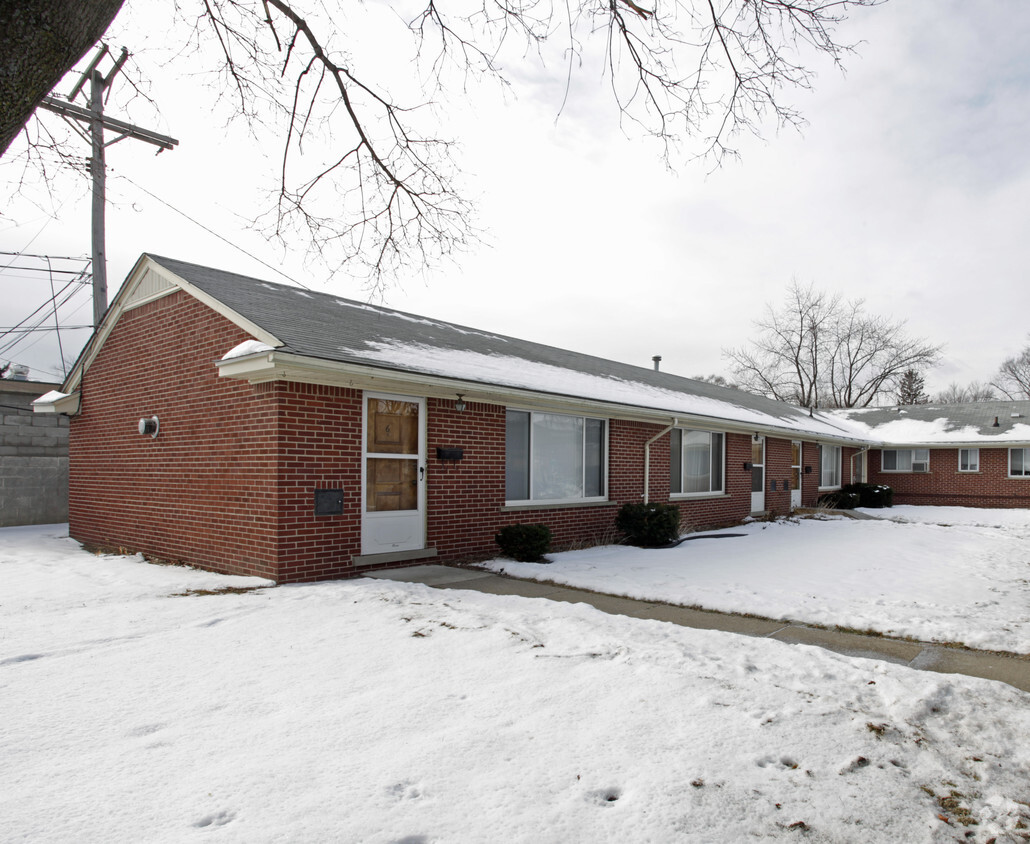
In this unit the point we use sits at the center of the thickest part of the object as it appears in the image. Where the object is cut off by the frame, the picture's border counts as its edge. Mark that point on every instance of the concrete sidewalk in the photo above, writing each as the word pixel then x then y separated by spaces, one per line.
pixel 1013 670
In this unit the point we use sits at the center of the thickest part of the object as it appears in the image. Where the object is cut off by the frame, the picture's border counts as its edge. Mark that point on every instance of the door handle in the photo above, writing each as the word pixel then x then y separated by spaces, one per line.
pixel 421 472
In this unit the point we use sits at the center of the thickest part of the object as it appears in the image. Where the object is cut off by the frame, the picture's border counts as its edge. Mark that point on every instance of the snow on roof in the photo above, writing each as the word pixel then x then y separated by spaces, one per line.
pixel 247 347
pixel 509 371
pixel 942 424
pixel 50 397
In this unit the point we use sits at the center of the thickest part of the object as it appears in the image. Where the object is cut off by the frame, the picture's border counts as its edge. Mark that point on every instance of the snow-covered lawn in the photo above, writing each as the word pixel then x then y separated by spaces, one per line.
pixel 134 707
pixel 945 574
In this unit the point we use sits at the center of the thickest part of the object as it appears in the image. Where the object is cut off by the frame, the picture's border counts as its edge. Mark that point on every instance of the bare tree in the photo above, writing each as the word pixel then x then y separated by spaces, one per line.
pixel 822 351
pixel 718 380
pixel 387 194
pixel 974 391
pixel 1013 379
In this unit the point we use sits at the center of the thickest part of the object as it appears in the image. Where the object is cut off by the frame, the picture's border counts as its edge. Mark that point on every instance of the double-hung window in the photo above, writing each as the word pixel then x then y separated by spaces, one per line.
pixel 905 460
pixel 969 460
pixel 695 462
pixel 829 466
pixel 554 457
pixel 1019 462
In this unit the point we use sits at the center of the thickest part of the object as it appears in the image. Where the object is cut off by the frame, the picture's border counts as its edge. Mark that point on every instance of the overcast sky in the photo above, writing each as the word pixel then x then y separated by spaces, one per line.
pixel 909 188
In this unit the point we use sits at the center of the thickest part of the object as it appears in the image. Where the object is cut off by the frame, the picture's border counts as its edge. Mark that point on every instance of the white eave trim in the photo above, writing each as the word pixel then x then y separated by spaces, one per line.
pixel 284 366
pixel 56 402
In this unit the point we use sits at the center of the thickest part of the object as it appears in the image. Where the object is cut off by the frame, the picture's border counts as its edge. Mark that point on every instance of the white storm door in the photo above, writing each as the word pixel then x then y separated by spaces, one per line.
pixel 758 475
pixel 393 472
pixel 795 475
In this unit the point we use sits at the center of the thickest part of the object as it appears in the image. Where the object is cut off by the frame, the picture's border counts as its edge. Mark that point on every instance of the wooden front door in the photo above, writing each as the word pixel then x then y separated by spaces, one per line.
pixel 393 477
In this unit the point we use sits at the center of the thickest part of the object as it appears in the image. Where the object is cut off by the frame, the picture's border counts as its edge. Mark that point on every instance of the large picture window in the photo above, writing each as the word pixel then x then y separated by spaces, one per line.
pixel 695 462
pixel 1019 462
pixel 554 457
pixel 829 466
pixel 905 460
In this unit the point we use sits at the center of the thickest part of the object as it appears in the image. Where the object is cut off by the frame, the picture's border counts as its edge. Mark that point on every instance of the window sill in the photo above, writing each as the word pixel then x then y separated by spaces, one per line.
pixel 829 488
pixel 697 496
pixel 555 505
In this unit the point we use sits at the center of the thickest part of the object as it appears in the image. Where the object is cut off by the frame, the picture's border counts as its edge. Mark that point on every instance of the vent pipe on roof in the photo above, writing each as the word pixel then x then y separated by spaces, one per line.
pixel 657 360
pixel 995 425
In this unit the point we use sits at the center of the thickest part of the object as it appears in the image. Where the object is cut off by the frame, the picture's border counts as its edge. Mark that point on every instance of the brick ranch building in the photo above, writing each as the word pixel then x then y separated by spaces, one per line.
pixel 254 428
pixel 966 455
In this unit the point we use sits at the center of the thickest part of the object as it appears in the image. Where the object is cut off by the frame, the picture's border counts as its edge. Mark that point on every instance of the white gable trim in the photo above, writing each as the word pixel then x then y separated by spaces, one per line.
pixel 147 282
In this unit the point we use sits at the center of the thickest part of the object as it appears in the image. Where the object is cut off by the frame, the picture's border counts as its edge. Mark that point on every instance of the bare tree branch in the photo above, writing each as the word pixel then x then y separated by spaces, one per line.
pixel 387 192
pixel 819 350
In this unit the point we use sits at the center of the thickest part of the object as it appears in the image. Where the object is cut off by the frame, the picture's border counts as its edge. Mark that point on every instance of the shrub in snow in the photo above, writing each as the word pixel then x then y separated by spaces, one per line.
pixel 525 543
pixel 649 525
pixel 872 495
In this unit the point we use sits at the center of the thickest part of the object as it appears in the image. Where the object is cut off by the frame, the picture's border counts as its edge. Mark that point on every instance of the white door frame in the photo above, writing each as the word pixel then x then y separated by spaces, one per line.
pixel 397 530
pixel 758 496
pixel 797 470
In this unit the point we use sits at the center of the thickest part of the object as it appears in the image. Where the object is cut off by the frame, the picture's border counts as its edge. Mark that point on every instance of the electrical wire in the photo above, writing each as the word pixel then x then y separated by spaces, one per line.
pixel 235 246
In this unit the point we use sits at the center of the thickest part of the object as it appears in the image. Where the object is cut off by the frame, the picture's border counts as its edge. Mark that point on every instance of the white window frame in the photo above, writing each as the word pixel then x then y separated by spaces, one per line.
pixel 710 492
pixel 1025 473
pixel 972 460
pixel 822 467
pixel 913 460
pixel 529 469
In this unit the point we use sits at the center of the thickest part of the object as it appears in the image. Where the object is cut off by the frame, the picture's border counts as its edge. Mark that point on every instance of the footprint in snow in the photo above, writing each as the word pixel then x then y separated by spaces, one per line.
pixel 14 660
pixel 604 796
pixel 145 730
pixel 215 819
pixel 404 791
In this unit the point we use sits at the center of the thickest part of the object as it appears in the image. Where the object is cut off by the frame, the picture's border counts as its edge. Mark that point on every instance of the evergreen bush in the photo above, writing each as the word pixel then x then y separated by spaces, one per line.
pixel 525 543
pixel 649 525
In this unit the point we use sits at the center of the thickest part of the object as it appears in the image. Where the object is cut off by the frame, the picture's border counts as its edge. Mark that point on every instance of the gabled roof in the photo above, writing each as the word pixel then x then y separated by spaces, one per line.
pixel 312 336
pixel 944 424
pixel 332 329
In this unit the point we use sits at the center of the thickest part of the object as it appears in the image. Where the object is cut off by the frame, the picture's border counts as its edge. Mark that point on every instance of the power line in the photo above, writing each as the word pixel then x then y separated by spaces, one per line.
pixel 235 246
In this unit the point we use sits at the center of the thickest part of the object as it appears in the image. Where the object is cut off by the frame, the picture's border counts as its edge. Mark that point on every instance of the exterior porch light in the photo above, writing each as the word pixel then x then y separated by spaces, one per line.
pixel 459 405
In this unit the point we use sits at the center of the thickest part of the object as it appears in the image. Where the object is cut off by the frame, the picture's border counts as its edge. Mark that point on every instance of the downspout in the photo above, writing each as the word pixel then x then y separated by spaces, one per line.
pixel 647 459
pixel 857 454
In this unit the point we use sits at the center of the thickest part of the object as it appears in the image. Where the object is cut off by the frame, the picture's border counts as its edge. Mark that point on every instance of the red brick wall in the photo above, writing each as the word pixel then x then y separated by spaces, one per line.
pixel 203 491
pixel 944 484
pixel 319 447
pixel 229 483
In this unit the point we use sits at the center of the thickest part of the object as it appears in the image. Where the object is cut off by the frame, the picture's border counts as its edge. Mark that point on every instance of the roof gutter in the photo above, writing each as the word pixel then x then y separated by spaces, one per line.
pixel 287 366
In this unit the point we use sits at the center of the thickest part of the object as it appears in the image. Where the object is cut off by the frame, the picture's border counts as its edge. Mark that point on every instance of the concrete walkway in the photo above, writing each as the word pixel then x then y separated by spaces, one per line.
pixel 1013 670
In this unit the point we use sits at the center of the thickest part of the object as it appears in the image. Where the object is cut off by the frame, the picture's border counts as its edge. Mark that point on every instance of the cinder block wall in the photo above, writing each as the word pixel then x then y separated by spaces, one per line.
pixel 33 458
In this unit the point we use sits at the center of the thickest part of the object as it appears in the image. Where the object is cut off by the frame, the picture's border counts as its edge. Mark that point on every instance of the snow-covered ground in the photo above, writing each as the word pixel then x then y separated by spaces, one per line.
pixel 137 706
pixel 940 574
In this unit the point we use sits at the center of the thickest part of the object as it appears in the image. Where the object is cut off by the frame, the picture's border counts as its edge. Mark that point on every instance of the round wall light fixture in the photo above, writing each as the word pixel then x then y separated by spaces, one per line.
pixel 149 426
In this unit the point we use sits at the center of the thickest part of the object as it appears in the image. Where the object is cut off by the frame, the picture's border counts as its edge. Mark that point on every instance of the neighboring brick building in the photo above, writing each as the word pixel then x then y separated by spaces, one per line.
pixel 967 455
pixel 33 458
pixel 254 428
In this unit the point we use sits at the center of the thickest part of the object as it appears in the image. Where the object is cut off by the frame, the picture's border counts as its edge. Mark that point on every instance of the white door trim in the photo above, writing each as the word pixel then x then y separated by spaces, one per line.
pixel 392 531
pixel 758 496
pixel 797 469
